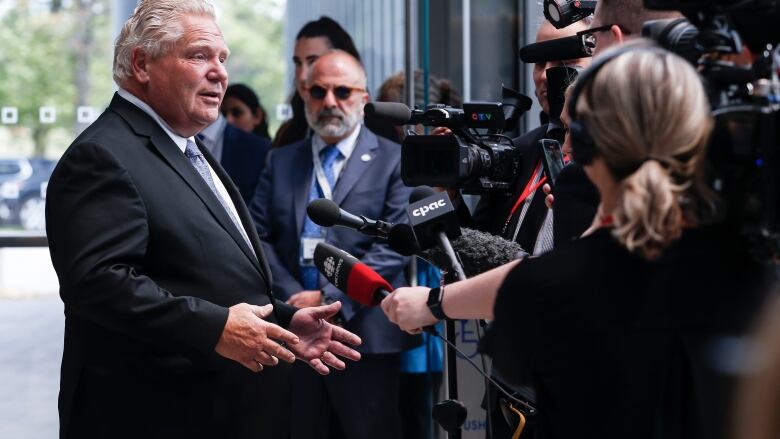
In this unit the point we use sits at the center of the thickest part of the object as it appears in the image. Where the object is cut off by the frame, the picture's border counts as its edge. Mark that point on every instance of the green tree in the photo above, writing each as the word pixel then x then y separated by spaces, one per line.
pixel 46 61
pixel 60 53
pixel 254 32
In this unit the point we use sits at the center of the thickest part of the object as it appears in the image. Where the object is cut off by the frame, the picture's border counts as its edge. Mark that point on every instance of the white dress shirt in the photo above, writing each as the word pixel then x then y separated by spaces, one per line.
pixel 345 146
pixel 213 136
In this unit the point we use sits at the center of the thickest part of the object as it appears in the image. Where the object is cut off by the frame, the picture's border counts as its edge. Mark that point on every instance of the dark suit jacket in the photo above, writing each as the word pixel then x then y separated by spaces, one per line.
pixel 148 263
pixel 372 188
pixel 243 157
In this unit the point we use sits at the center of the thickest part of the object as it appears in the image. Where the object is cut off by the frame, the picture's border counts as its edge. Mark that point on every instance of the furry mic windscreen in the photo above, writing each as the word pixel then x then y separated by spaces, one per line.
pixel 479 252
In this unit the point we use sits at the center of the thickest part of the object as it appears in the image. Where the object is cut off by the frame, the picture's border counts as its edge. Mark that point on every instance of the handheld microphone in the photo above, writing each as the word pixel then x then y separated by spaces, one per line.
pixel 434 222
pixel 401 240
pixel 430 213
pixel 559 49
pixel 326 213
pixel 356 279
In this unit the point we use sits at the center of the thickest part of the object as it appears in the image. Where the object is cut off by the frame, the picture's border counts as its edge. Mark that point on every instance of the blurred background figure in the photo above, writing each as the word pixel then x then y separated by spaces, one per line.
pixel 241 153
pixel 440 91
pixel 242 109
pixel 313 40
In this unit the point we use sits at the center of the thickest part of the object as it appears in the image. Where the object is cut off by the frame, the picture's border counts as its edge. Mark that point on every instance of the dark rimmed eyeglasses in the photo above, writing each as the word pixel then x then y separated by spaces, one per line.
pixel 588 36
pixel 341 92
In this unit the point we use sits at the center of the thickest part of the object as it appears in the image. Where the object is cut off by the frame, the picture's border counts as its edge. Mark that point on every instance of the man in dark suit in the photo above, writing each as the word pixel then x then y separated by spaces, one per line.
pixel 169 312
pixel 359 171
pixel 240 153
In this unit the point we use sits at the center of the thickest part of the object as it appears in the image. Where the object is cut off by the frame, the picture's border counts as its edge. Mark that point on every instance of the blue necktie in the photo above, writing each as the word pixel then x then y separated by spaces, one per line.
pixel 199 162
pixel 328 157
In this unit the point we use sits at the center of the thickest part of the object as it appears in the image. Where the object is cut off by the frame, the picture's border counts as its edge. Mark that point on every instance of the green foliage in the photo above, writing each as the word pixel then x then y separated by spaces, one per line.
pixel 39 53
pixel 254 32
pixel 35 73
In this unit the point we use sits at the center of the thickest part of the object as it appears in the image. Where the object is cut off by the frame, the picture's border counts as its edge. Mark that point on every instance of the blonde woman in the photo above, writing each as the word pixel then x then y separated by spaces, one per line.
pixel 583 323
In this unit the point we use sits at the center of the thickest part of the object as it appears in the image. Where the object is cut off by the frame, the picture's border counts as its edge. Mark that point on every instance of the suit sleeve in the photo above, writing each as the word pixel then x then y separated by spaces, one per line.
pixel 98 236
pixel 379 256
pixel 285 284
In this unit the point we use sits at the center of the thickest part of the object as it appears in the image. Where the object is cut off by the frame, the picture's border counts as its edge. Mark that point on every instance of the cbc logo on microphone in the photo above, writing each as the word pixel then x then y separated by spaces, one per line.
pixel 330 266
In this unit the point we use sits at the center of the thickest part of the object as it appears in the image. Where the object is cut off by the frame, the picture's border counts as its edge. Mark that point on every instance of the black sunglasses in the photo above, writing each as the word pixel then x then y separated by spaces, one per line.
pixel 341 92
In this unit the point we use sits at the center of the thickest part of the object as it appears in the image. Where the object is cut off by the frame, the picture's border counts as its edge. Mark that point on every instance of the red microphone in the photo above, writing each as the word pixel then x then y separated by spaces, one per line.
pixel 356 279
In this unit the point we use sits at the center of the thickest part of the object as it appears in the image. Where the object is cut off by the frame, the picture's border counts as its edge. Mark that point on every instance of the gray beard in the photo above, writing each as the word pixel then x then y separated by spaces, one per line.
pixel 333 127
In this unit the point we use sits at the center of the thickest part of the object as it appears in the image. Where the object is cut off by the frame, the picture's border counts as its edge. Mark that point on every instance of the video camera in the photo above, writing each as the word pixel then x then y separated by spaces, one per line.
pixel 470 160
pixel 745 101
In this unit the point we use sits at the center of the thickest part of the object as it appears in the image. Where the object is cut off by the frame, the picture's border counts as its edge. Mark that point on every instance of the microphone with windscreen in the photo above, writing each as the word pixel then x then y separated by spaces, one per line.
pixel 326 213
pixel 559 49
pixel 356 279
pixel 395 113
pixel 477 251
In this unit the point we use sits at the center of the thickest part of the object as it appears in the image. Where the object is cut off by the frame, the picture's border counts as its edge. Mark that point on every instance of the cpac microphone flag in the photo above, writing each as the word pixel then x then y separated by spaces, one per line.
pixel 431 214
pixel 356 279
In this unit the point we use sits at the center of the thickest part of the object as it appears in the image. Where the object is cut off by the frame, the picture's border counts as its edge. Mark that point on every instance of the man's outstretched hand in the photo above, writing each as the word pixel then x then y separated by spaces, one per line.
pixel 321 342
pixel 252 341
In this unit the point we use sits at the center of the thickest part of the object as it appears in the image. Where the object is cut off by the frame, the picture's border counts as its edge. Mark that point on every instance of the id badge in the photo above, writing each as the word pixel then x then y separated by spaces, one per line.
pixel 307 250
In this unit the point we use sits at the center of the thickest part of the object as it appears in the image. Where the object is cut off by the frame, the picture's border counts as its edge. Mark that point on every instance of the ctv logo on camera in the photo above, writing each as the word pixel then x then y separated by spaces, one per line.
pixel 481 117
pixel 422 211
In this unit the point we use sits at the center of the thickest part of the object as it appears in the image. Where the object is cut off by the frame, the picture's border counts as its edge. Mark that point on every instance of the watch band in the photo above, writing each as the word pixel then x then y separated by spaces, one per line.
pixel 435 296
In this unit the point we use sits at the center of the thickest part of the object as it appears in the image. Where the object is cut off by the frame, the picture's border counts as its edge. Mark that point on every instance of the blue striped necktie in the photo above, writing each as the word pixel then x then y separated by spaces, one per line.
pixel 328 157
pixel 199 163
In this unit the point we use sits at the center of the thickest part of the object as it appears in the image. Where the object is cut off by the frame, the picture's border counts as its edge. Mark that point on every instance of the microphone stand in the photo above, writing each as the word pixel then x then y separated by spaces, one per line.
pixel 452 412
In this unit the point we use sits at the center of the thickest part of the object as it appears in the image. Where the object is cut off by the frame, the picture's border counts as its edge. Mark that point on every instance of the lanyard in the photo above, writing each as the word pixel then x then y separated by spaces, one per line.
pixel 529 189
pixel 319 174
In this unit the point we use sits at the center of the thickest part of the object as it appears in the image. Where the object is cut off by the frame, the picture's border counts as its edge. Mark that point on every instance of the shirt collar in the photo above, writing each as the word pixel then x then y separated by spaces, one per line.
pixel 180 141
pixel 216 130
pixel 345 145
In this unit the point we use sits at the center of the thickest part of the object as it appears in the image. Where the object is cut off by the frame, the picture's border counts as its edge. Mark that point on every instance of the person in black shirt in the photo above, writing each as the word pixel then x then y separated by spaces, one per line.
pixel 600 326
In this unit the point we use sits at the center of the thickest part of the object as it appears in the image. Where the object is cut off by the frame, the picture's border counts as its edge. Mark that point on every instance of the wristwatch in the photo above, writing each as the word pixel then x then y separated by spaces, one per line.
pixel 435 297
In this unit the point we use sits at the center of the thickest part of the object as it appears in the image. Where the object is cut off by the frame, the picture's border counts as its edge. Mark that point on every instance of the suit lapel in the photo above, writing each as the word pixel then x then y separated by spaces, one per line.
pixel 361 159
pixel 300 174
pixel 243 214
pixel 170 153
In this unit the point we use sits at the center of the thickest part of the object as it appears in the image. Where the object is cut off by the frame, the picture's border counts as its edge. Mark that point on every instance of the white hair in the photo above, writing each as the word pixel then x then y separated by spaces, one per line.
pixel 154 26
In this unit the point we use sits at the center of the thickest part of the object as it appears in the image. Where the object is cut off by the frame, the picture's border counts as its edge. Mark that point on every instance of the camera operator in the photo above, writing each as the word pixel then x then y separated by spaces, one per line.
pixel 618 21
pixel 519 214
pixel 603 327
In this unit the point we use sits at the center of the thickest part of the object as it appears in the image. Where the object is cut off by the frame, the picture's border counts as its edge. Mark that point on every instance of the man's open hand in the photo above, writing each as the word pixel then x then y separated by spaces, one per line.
pixel 320 341
pixel 253 342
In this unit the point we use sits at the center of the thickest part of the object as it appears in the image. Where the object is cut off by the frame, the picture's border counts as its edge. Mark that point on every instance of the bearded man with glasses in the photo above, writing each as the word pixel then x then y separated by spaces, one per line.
pixel 347 163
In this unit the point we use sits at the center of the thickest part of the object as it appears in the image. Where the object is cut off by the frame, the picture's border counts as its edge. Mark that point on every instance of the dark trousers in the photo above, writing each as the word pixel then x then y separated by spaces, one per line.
pixel 419 391
pixel 360 402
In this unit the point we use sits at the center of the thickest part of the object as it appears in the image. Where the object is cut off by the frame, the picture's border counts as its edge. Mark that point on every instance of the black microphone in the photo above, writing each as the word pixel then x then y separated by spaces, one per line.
pixel 559 49
pixel 401 240
pixel 421 192
pixel 434 222
pixel 395 113
pixel 326 213
pixel 478 251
